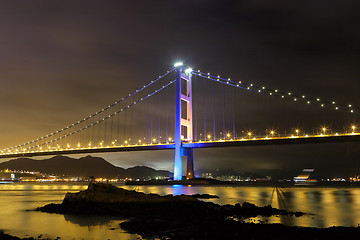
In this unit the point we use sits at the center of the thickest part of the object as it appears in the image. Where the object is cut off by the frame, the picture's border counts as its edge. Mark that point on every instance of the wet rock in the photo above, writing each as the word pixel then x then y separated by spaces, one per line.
pixel 4 236
pixel 203 196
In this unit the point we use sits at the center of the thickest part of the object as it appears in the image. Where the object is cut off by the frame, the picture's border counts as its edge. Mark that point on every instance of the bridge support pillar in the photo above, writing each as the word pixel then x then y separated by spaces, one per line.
pixel 178 160
pixel 188 152
pixel 183 125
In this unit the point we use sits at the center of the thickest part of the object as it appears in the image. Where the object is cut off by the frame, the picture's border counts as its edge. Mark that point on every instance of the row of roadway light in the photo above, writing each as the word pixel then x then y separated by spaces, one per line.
pixel 271 134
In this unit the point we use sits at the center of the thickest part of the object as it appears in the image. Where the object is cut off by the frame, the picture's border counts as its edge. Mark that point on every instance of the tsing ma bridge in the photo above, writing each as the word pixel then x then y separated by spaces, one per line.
pixel 192 109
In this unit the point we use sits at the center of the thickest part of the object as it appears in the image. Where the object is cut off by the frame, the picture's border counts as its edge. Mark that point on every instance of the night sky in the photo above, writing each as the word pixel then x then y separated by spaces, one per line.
pixel 63 60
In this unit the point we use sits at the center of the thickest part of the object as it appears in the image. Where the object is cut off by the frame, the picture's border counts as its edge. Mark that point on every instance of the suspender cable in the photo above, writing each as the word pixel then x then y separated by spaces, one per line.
pixel 234 107
pixel 105 132
pixel 99 131
pixel 204 102
pixel 166 116
pixel 131 123
pixel 125 128
pixel 118 129
pixel 159 128
pixel 139 125
pixel 223 106
pixel 145 126
pixel 151 128
pixel 214 120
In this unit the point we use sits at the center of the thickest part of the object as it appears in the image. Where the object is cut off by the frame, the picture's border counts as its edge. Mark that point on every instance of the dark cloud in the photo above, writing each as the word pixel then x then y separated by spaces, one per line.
pixel 63 60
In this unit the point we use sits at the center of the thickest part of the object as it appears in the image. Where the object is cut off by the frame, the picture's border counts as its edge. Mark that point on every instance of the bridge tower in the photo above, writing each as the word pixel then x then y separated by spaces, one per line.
pixel 183 122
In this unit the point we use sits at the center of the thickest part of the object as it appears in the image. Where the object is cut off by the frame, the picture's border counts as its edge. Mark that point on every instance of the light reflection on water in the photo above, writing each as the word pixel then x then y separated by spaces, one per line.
pixel 328 206
pixel 331 206
pixel 15 199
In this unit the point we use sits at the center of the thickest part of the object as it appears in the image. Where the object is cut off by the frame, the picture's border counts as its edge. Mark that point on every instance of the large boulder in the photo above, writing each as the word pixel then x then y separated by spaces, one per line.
pixel 107 193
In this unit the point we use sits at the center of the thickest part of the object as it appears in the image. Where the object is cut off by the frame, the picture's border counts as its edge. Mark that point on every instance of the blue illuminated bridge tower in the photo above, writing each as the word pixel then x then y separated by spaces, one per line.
pixel 183 122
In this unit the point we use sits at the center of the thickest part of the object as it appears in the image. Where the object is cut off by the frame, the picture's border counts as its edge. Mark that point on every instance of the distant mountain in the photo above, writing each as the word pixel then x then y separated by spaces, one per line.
pixel 82 167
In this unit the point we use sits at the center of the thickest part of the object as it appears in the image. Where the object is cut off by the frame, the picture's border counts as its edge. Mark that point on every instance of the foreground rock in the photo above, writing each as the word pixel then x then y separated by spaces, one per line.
pixel 182 217
pixel 204 196
pixel 4 236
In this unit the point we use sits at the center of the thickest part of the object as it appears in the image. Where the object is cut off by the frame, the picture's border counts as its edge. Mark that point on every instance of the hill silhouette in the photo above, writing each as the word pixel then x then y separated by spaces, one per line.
pixel 82 167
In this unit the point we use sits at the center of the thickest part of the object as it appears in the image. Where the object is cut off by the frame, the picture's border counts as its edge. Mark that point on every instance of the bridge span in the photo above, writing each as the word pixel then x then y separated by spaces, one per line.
pixel 198 110
pixel 261 141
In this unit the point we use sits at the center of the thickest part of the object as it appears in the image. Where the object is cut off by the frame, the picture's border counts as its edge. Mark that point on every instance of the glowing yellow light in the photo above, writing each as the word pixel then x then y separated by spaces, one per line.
pixel 353 127
pixel 209 136
pixel 228 135
pixel 324 130
pixel 249 134
pixel 154 139
pixel 170 139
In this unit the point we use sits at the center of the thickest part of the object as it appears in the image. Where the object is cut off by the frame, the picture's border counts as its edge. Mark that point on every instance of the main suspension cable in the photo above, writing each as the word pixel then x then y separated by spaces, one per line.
pixel 93 115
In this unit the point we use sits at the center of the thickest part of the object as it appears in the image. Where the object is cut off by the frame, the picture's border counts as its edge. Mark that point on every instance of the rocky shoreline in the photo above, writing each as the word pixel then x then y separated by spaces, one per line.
pixel 184 217
pixel 4 236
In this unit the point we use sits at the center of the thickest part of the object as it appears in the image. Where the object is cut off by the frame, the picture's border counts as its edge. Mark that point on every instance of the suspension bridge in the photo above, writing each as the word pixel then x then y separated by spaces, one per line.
pixel 185 109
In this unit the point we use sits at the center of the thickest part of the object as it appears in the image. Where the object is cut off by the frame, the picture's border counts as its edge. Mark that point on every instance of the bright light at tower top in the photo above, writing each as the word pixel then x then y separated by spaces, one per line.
pixel 188 71
pixel 178 64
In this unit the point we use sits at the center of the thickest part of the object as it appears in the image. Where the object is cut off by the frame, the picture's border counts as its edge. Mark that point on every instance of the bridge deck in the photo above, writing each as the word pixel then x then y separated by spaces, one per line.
pixel 200 144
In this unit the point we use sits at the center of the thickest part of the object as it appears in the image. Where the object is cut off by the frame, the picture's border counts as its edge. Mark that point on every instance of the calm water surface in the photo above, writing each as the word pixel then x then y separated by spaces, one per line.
pixel 331 206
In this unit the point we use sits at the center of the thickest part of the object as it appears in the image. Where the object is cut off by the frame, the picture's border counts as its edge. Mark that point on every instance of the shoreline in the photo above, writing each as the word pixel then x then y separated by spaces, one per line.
pixel 183 217
pixel 5 236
